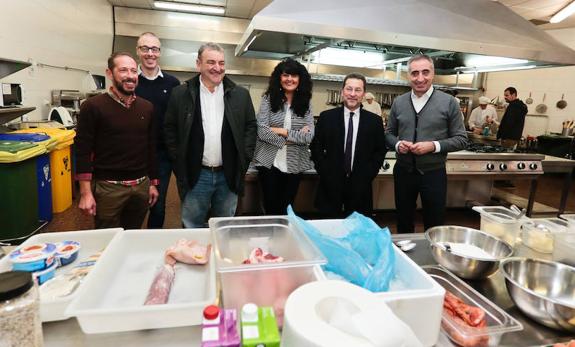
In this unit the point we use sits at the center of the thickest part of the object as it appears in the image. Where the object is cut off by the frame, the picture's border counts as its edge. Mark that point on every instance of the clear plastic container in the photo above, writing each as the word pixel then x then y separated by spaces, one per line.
pixel 564 248
pixel 498 322
pixel 20 324
pixel 267 284
pixel 539 234
pixel 500 222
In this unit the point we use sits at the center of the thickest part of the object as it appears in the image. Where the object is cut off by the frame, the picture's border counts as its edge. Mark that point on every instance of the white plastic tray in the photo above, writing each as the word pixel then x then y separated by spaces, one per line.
pixel 91 241
pixel 420 304
pixel 112 298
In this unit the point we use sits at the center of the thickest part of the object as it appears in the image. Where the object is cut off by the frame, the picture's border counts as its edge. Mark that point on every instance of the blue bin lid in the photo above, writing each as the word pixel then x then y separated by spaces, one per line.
pixel 24 137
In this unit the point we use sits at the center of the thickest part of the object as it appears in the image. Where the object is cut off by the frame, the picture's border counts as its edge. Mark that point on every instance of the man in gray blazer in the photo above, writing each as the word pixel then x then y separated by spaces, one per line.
pixel 423 126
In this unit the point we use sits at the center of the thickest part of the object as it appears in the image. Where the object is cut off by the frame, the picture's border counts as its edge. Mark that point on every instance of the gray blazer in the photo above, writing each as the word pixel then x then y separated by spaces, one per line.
pixel 268 143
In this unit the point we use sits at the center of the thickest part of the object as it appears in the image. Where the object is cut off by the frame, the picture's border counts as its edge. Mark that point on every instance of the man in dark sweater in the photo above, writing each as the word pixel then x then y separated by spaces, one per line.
pixel 116 151
pixel 423 126
pixel 156 86
pixel 511 127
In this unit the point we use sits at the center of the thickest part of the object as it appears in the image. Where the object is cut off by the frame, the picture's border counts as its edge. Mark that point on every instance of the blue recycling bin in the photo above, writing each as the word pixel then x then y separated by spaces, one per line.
pixel 43 177
pixel 44 181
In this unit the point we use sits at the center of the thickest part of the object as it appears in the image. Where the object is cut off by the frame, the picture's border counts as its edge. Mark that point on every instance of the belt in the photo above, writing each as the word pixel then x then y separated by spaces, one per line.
pixel 213 168
pixel 128 183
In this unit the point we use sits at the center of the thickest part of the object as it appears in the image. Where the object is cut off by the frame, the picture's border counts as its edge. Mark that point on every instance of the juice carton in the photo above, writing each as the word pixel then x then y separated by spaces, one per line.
pixel 220 328
pixel 259 327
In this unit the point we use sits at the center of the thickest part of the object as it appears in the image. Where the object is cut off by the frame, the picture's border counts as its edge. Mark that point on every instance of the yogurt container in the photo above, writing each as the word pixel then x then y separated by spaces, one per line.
pixel 33 258
pixel 67 252
pixel 44 275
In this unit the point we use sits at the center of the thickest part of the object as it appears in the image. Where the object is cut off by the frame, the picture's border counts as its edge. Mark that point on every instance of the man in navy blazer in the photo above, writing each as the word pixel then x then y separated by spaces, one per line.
pixel 348 150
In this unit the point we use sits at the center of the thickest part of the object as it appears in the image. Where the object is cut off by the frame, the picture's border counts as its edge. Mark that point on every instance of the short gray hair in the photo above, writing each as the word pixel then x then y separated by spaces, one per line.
pixel 419 57
pixel 212 46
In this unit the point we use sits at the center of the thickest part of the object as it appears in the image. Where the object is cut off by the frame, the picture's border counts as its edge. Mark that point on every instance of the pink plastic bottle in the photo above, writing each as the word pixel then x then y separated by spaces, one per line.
pixel 220 328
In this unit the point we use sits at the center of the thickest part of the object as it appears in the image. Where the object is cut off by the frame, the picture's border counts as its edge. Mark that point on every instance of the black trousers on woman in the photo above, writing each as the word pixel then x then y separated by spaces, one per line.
pixel 430 185
pixel 279 189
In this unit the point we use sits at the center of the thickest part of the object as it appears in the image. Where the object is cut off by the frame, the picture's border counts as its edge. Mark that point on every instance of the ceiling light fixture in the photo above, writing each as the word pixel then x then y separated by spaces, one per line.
pixel 564 13
pixel 194 8
pixel 473 69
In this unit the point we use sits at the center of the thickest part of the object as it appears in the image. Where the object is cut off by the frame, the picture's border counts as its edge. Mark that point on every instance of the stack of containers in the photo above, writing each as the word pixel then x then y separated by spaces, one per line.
pixel 61 165
pixel 501 222
pixel 564 246
pixel 19 200
pixel 43 177
pixel 539 234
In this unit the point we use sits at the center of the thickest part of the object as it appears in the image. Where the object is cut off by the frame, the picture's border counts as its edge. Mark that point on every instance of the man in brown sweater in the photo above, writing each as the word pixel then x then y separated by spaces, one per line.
pixel 115 151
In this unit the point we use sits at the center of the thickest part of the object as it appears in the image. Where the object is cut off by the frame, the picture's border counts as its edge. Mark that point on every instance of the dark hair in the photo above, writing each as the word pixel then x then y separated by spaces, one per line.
pixel 111 60
pixel 511 90
pixel 356 76
pixel 302 95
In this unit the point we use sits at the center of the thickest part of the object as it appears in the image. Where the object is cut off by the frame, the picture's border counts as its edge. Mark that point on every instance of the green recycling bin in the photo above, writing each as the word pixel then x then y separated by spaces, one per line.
pixel 18 198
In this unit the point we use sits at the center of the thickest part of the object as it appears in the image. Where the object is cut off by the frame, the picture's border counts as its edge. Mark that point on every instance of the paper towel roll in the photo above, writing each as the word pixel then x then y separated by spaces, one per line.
pixel 338 313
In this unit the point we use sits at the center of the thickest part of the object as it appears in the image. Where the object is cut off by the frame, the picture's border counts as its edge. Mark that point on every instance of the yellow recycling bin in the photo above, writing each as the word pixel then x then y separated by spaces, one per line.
pixel 60 166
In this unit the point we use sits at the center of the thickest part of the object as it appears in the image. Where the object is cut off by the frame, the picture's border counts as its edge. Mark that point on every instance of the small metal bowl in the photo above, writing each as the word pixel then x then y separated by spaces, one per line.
pixel 543 290
pixel 464 265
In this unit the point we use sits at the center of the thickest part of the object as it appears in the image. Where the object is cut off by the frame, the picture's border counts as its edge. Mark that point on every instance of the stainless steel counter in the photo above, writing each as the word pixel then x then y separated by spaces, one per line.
pixel 533 334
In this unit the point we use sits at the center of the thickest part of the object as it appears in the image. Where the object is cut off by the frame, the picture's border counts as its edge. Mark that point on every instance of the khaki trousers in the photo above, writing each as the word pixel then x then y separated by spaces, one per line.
pixel 119 206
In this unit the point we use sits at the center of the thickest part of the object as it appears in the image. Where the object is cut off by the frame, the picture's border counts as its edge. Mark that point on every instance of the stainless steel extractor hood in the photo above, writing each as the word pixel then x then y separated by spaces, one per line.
pixel 455 32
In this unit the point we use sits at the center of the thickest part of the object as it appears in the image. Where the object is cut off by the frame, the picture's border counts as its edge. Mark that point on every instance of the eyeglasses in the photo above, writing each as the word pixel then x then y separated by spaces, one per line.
pixel 146 49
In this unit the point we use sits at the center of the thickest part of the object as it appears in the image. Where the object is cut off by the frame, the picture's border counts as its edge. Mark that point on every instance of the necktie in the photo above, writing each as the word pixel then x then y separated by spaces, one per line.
pixel 348 144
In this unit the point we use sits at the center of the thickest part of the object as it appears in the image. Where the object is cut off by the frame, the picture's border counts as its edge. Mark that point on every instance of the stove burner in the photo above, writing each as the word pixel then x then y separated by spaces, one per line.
pixel 483 148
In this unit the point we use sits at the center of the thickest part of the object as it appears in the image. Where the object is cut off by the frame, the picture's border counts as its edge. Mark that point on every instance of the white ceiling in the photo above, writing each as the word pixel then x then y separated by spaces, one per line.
pixel 538 11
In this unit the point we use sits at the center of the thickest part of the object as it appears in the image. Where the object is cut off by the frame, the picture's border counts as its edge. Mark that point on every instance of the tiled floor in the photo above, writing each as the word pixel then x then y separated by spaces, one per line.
pixel 548 193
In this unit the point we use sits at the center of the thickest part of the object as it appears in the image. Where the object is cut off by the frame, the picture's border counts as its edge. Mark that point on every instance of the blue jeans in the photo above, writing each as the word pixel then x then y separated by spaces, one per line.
pixel 158 211
pixel 211 191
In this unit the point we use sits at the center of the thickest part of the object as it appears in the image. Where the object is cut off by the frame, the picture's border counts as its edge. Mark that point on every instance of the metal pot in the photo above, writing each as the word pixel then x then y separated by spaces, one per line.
pixel 561 104
pixel 541 108
pixel 529 100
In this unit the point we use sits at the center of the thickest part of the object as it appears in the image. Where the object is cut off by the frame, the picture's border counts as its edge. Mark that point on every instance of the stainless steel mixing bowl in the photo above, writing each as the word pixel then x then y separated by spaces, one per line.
pixel 543 290
pixel 465 265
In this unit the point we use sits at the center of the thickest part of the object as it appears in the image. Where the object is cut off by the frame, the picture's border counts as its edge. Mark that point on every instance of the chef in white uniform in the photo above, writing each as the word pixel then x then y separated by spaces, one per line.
pixel 369 104
pixel 482 115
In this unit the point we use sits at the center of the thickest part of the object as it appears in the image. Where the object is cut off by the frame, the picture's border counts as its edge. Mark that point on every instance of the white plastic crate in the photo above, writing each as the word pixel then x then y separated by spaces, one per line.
pixel 91 242
pixel 112 298
pixel 420 304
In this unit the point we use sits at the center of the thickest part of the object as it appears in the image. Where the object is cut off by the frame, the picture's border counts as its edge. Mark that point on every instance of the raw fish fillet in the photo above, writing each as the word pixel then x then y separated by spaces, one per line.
pixel 188 252
pixel 258 256
pixel 160 289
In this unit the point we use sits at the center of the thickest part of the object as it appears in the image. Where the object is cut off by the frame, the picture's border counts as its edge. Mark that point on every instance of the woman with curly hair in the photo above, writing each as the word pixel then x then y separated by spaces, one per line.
pixel 285 130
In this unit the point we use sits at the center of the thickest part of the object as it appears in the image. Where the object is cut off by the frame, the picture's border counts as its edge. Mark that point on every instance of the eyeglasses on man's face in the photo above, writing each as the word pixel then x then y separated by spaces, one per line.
pixel 146 49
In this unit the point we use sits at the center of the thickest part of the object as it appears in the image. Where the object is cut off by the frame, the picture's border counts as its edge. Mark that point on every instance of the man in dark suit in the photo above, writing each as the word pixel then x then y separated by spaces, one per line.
pixel 348 149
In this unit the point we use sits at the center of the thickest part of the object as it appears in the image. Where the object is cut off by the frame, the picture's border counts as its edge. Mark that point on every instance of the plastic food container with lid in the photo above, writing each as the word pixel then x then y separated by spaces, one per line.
pixel 539 234
pixel 20 324
pixel 500 222
pixel 498 322
pixel 564 248
pixel 33 257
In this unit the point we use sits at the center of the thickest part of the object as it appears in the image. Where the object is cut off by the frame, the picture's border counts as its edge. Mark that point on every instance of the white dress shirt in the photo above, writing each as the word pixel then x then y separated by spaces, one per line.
pixel 158 74
pixel 478 115
pixel 280 162
pixel 212 120
pixel 355 121
pixel 419 103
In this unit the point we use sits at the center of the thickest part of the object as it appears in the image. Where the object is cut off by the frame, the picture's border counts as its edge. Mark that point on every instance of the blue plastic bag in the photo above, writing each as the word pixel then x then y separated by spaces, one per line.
pixel 364 257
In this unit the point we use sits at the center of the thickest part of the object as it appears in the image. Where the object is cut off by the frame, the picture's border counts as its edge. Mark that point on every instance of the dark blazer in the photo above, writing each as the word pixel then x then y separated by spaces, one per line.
pixel 185 150
pixel 327 151
pixel 513 121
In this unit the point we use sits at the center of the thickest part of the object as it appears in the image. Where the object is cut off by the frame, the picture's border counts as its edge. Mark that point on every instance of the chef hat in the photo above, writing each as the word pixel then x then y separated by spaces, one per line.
pixel 368 95
pixel 484 100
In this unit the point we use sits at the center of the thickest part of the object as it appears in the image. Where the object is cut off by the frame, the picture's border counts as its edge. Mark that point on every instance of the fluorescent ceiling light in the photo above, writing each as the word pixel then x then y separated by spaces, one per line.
pixel 178 6
pixel 564 13
pixel 347 57
pixel 487 60
pixel 495 68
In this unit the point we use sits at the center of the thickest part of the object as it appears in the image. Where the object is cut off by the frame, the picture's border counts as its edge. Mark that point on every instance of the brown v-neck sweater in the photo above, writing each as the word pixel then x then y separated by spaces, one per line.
pixel 114 142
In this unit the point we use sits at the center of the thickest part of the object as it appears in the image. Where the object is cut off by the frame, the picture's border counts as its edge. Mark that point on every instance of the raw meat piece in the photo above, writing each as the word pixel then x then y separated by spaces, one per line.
pixel 258 256
pixel 160 289
pixel 464 315
pixel 188 252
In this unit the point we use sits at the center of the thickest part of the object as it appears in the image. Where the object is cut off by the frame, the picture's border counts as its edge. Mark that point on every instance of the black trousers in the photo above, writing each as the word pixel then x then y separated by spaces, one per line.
pixel 431 185
pixel 278 188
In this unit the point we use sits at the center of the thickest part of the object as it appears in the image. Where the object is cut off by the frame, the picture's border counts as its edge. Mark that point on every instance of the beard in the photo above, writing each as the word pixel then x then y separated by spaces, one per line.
pixel 119 85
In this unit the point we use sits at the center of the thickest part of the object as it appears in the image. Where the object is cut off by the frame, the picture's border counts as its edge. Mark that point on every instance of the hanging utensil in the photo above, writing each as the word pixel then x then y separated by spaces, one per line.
pixel 529 100
pixel 541 108
pixel 561 104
